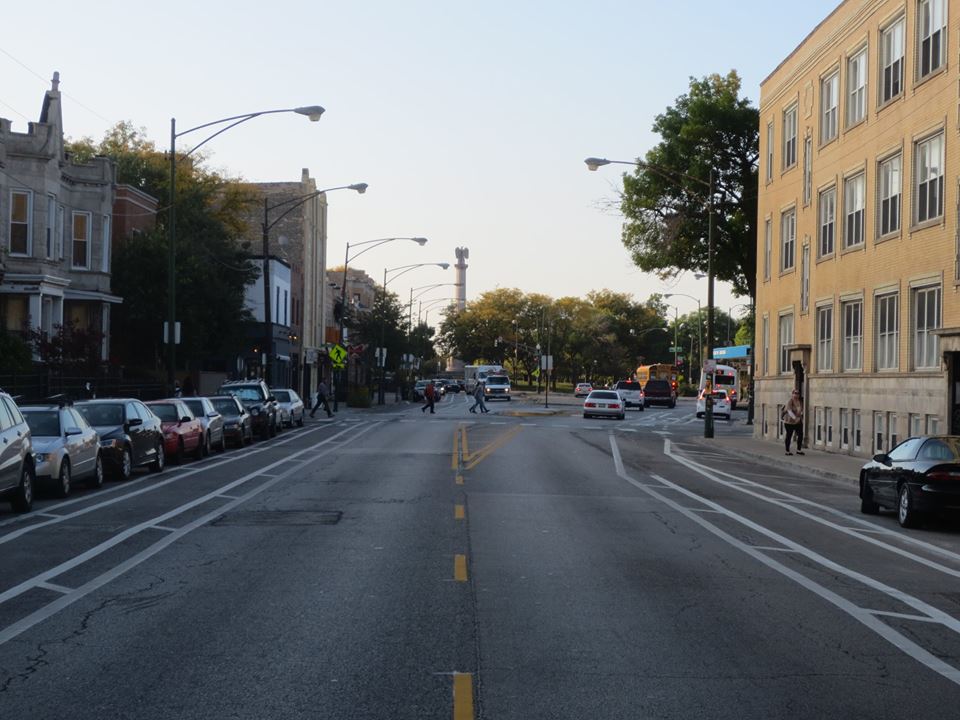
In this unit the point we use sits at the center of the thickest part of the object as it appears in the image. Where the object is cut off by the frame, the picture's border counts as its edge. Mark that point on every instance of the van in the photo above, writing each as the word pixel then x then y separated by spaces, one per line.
pixel 631 392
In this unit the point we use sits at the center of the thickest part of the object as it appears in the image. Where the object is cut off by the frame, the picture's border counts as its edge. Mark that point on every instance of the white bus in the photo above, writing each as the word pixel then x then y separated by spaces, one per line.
pixel 724 377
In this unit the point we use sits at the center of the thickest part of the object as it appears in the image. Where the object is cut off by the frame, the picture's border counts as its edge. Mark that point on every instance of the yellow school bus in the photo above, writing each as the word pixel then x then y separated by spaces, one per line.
pixel 659 371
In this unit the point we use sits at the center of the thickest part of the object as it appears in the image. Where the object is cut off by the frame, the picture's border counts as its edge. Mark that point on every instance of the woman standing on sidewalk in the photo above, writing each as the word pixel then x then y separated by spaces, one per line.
pixel 793 421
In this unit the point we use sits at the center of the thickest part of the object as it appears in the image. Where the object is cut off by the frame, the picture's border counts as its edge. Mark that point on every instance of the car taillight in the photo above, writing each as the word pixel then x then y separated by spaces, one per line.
pixel 589 404
pixel 614 405
pixel 943 475
pixel 733 393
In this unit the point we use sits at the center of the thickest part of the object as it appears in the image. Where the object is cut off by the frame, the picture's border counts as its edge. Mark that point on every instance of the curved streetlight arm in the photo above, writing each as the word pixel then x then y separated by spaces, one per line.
pixel 593 163
pixel 311 111
pixel 298 201
pixel 421 241
pixel 644 332
pixel 406 269
pixel 428 288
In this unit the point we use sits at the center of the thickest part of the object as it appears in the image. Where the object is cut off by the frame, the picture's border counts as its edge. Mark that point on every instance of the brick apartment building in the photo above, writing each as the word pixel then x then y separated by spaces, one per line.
pixel 858 247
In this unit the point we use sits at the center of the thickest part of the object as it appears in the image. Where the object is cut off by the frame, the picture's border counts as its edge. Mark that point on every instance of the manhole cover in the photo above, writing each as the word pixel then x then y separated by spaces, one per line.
pixel 279 517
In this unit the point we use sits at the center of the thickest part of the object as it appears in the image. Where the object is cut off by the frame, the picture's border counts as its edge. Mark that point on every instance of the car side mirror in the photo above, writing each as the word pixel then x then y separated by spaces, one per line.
pixel 186 418
pixel 134 422
pixel 213 415
pixel 72 431
pixel 882 458
pixel 272 398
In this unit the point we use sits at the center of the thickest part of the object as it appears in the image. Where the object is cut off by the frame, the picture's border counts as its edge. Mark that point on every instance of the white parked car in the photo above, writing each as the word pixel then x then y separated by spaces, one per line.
pixel 631 392
pixel 721 404
pixel 604 403
pixel 65 447
pixel 291 406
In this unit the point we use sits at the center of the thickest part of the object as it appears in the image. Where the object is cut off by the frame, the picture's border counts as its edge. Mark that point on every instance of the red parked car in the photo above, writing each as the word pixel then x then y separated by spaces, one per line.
pixel 182 432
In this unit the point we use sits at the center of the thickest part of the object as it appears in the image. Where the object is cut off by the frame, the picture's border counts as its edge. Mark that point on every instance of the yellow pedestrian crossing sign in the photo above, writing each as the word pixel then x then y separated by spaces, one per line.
pixel 337 355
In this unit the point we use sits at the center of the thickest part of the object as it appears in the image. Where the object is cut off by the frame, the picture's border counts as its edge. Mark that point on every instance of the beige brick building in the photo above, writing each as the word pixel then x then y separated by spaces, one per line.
pixel 858 245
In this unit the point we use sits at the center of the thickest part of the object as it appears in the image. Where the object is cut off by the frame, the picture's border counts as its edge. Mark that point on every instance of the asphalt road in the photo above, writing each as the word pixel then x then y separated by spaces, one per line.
pixel 511 565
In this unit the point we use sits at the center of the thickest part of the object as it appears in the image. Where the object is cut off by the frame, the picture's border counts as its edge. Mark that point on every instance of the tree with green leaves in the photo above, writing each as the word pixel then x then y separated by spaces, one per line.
pixel 665 200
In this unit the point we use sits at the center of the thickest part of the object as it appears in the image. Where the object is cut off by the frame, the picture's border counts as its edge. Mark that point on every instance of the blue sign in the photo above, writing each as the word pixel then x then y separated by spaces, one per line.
pixel 734 351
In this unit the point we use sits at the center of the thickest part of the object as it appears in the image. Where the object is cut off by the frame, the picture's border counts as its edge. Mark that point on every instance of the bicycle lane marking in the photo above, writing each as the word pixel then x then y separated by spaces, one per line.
pixel 864 616
pixel 153 523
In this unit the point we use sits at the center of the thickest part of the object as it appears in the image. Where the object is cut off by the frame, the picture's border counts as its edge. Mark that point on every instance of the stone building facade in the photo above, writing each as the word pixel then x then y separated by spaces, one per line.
pixel 55 229
pixel 858 246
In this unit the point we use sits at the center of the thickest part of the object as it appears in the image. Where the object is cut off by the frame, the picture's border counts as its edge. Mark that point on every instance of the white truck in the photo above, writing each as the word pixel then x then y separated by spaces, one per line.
pixel 472 374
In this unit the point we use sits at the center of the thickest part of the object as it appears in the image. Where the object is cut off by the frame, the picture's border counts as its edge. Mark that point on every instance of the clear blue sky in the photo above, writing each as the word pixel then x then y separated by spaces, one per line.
pixel 470 121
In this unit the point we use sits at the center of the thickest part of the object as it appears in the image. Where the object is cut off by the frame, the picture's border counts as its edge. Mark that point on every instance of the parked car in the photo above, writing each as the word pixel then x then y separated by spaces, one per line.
pixel 182 431
pixel 582 389
pixel 291 406
pixel 454 386
pixel 919 476
pixel 721 404
pixel 631 393
pixel 256 398
pixel 212 423
pixel 659 392
pixel 17 471
pixel 237 422
pixel 65 447
pixel 604 403
pixel 496 387
pixel 130 434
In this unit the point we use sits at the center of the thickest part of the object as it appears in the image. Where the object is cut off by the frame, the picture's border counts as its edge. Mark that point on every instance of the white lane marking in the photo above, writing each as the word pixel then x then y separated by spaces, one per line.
pixel 164 528
pixel 788 502
pixel 38 616
pixel 55 588
pixel 902 616
pixel 865 617
pixel 176 473
pixel 134 530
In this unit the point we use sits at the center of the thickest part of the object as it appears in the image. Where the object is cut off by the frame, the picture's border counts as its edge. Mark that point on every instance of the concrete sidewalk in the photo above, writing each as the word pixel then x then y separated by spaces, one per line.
pixel 833 466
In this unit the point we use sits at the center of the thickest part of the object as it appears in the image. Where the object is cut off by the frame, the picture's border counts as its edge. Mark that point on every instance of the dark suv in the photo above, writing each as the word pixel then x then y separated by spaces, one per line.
pixel 17 473
pixel 256 398
pixel 659 392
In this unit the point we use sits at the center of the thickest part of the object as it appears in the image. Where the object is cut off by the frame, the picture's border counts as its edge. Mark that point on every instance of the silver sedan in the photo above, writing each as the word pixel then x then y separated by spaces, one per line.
pixel 604 403
pixel 291 406
pixel 65 447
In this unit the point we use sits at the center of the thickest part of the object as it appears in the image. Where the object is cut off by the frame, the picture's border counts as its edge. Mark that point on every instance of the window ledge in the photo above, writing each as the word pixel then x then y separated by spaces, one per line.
pixel 859 247
pixel 933 222
pixel 856 124
pixel 824 258
pixel 888 237
pixel 920 81
pixel 788 271
pixel 892 101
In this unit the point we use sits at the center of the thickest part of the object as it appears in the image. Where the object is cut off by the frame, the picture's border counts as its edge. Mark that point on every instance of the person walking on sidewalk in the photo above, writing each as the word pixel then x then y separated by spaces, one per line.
pixel 793 421
pixel 478 399
pixel 322 393
pixel 428 396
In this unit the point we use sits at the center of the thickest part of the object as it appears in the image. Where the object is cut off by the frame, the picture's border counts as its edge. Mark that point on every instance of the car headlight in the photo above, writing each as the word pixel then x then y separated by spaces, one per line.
pixel 110 443
pixel 41 457
pixel 255 411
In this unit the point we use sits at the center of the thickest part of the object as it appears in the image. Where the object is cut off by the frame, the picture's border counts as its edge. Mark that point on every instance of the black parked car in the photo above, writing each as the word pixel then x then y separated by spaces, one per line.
pixel 130 434
pixel 237 422
pixel 256 398
pixel 920 475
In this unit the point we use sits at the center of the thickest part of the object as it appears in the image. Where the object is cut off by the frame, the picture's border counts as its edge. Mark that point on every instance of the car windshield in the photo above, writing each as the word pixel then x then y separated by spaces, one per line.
pixel 498 380
pixel 723 380
pixel 282 395
pixel 246 393
pixel 101 415
pixel 658 384
pixel 196 407
pixel 720 395
pixel 43 423
pixel 166 412
pixel 225 407
pixel 604 395
pixel 623 385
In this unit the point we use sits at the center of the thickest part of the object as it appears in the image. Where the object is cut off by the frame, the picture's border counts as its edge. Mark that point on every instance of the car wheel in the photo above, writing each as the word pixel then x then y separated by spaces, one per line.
pixel 126 465
pixel 586 415
pixel 204 449
pixel 22 500
pixel 96 480
pixel 622 416
pixel 178 455
pixel 158 459
pixel 63 482
pixel 300 421
pixel 265 432
pixel 867 504
pixel 906 515
pixel 640 407
pixel 222 447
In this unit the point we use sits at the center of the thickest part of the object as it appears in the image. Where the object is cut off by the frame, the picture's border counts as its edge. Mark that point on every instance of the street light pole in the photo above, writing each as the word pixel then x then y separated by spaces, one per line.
pixel 313 112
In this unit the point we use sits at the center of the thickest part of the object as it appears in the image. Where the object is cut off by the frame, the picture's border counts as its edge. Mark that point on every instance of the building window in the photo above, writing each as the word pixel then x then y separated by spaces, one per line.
pixel 789 137
pixel 930 36
pixel 829 99
pixel 891 61
pixel 60 231
pixel 788 240
pixel 105 242
pixel 857 87
pixel 20 214
pixel 929 178
pixel 781 431
pixel 854 191
pixel 892 427
pixel 852 313
pixel 844 428
pixel 828 221
pixel 786 339
pixel 807 170
pixel 825 338
pixel 81 240
pixel 818 426
pixel 51 236
pixel 855 428
pixel 828 426
pixel 933 425
pixel 916 424
pixel 879 431
pixel 766 346
pixel 805 278
pixel 767 248
pixel 926 314
pixel 888 332
pixel 889 207
pixel 769 152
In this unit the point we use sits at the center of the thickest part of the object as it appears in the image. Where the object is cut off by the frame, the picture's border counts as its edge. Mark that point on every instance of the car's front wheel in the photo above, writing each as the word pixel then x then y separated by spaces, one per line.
pixel 907 516
pixel 867 504
pixel 125 470
pixel 158 459
pixel 22 500
pixel 63 482
pixel 96 480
